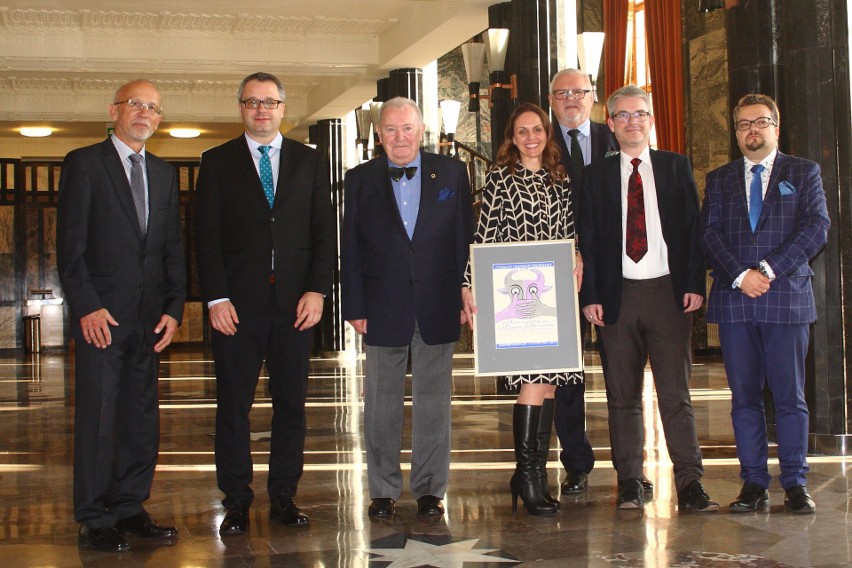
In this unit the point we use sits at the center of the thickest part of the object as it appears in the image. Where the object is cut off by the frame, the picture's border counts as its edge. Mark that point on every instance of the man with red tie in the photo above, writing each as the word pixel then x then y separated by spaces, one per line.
pixel 643 278
pixel 764 219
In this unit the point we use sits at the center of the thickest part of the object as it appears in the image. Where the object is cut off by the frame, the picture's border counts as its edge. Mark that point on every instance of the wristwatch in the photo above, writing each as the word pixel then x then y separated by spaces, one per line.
pixel 762 269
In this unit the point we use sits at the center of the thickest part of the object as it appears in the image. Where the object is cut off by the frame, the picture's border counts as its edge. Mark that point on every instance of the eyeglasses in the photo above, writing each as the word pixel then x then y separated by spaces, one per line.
pixel 624 117
pixel 139 105
pixel 254 103
pixel 762 122
pixel 576 94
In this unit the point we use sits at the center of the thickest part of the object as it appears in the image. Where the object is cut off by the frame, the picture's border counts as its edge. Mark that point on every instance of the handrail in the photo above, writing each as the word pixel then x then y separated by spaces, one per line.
pixel 477 167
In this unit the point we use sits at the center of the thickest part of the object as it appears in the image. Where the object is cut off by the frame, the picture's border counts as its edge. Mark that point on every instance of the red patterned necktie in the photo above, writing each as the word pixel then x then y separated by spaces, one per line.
pixel 636 242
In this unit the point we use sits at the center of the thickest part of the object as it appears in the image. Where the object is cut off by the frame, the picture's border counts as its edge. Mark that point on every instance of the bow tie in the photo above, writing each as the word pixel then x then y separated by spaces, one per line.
pixel 396 173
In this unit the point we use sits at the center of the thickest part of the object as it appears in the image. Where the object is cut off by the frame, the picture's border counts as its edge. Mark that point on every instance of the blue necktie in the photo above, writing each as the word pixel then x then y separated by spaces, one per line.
pixel 266 174
pixel 755 200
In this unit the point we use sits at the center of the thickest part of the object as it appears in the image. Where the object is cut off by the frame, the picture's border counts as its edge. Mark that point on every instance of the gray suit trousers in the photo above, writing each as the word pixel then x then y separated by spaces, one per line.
pixel 384 395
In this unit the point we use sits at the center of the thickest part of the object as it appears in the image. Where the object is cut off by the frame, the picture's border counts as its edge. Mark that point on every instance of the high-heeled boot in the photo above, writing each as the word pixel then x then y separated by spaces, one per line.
pixel 525 482
pixel 545 427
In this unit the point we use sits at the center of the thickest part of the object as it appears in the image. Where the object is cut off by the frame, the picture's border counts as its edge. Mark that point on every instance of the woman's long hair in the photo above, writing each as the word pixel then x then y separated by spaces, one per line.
pixel 508 155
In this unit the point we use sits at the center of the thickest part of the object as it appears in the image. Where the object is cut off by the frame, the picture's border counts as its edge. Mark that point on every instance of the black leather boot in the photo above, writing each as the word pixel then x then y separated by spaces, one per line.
pixel 545 427
pixel 525 482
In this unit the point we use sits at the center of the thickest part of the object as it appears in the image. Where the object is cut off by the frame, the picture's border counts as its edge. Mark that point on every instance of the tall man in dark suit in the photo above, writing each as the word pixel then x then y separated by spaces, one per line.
pixel 581 141
pixel 764 219
pixel 121 263
pixel 406 234
pixel 266 250
pixel 643 277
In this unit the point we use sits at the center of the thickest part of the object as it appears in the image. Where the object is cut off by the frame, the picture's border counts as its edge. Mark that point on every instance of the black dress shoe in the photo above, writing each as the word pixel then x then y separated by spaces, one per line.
pixel 693 497
pixel 107 539
pixel 430 506
pixel 630 494
pixel 575 483
pixel 142 524
pixel 285 510
pixel 647 487
pixel 752 498
pixel 381 508
pixel 236 521
pixel 798 501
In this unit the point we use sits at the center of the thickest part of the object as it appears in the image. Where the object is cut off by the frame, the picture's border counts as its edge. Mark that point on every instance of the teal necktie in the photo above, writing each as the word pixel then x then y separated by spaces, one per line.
pixel 755 200
pixel 266 174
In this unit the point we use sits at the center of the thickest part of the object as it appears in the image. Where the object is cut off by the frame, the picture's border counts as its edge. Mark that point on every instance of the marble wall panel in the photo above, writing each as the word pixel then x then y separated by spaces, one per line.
pixel 8 327
pixel 7 229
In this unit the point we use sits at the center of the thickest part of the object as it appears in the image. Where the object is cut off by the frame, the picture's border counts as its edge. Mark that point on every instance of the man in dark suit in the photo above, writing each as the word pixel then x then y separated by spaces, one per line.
pixel 121 264
pixel 764 219
pixel 406 234
pixel 265 238
pixel 643 278
pixel 581 142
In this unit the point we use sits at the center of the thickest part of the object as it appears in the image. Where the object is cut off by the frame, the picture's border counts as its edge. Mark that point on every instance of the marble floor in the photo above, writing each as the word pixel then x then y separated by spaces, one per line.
pixel 479 529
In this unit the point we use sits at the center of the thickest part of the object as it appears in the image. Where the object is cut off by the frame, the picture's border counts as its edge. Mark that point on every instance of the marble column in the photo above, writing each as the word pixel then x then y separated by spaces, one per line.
pixel 808 75
pixel 328 137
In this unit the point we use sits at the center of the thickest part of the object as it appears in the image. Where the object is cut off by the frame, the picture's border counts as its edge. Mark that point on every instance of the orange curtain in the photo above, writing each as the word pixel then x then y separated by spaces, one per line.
pixel 615 44
pixel 665 56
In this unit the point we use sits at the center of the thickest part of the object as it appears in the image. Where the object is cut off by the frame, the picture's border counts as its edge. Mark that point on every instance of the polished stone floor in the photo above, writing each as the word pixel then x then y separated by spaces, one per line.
pixel 37 529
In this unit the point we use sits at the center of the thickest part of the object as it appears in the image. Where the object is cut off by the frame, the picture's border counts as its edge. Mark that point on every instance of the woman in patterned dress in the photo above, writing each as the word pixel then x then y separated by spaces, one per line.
pixel 527 197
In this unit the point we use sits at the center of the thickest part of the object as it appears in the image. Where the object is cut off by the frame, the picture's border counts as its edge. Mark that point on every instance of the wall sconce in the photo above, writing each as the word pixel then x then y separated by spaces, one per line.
pixel 710 5
pixel 36 131
pixel 375 108
pixel 450 116
pixel 589 50
pixel 496 46
pixel 363 122
pixel 474 59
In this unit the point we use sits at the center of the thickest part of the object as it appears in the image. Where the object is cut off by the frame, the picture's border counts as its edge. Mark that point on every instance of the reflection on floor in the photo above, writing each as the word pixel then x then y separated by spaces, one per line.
pixel 37 529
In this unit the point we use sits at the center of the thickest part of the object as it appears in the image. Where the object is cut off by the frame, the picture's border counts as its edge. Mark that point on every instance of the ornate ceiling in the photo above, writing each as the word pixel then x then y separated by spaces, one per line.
pixel 60 61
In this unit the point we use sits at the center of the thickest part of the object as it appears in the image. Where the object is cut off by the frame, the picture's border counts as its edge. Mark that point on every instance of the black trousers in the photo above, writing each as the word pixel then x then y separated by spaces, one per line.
pixel 116 427
pixel 269 336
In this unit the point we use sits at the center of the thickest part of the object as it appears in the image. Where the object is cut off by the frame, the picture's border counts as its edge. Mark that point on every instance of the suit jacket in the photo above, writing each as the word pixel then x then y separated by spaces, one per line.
pixel 103 259
pixel 792 229
pixel 236 230
pixel 602 141
pixel 391 280
pixel 600 231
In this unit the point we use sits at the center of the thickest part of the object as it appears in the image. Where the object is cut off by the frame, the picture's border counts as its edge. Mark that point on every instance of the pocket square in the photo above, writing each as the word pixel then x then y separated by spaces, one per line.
pixel 786 189
pixel 445 194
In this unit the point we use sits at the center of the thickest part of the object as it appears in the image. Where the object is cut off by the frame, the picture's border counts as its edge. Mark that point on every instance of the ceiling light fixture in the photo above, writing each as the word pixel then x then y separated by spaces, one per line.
pixel 36 131
pixel 185 132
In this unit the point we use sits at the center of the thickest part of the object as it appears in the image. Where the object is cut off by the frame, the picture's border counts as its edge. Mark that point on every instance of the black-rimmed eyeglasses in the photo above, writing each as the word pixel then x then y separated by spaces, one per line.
pixel 576 94
pixel 762 122
pixel 139 105
pixel 255 103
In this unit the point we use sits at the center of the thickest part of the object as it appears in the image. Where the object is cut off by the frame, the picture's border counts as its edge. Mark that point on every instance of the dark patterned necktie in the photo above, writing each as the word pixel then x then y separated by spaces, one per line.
pixel 755 199
pixel 397 173
pixel 636 240
pixel 577 162
pixel 137 190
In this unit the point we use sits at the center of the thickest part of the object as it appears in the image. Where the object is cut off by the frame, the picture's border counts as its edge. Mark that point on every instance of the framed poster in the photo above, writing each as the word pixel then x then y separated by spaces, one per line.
pixel 528 319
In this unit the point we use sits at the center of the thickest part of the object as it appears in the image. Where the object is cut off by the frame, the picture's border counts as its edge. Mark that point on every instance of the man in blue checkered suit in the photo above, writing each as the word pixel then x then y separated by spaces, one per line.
pixel 764 218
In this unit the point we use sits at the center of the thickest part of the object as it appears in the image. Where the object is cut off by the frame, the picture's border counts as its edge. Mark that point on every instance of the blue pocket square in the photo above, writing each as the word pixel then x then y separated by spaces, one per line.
pixel 786 189
pixel 445 194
